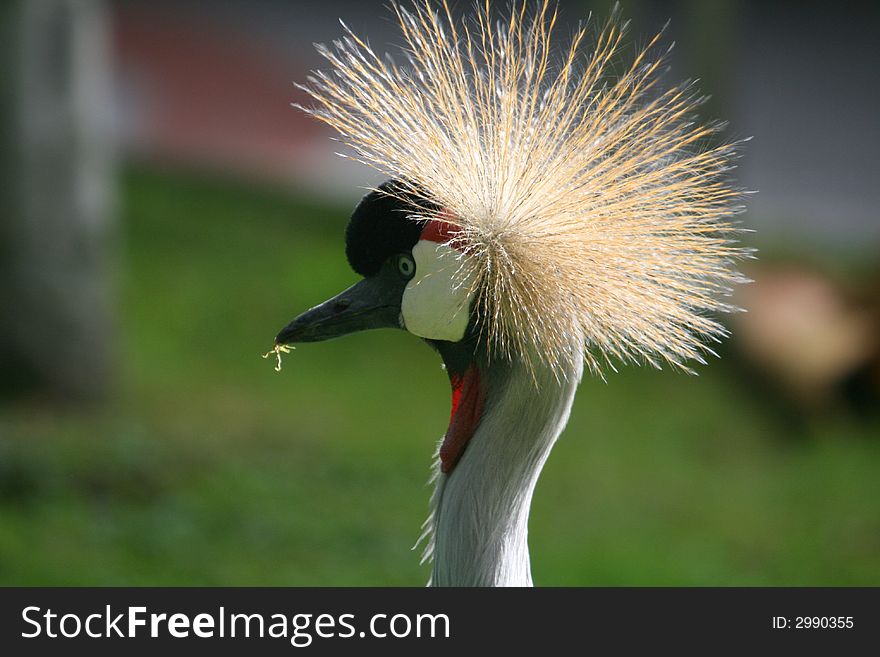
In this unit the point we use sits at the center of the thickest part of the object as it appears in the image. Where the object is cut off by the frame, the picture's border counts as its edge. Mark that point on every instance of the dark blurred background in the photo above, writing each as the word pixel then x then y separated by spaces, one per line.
pixel 165 212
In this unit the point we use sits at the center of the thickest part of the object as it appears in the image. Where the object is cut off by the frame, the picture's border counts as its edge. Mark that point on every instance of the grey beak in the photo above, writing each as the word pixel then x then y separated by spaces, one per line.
pixel 368 304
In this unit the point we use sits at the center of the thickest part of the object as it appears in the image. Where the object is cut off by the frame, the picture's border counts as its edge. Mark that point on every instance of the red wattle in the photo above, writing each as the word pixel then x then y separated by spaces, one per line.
pixel 467 407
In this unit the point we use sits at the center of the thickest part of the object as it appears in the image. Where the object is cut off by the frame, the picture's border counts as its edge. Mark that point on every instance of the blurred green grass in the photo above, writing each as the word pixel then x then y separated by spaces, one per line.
pixel 208 468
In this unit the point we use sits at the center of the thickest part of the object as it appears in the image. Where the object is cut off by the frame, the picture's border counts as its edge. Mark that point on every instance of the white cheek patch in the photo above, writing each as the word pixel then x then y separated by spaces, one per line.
pixel 436 302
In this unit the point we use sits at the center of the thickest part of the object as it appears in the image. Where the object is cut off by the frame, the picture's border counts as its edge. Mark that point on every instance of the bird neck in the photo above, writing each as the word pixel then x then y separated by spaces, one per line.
pixel 478 526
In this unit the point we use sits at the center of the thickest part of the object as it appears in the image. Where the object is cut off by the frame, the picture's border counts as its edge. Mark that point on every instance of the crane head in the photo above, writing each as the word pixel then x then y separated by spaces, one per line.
pixel 411 261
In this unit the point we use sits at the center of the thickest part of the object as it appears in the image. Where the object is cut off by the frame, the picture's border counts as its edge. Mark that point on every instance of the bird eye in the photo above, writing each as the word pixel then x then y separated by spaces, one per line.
pixel 406 266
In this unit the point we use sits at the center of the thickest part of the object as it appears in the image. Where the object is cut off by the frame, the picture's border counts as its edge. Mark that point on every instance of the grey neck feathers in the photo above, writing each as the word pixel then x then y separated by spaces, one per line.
pixel 478 528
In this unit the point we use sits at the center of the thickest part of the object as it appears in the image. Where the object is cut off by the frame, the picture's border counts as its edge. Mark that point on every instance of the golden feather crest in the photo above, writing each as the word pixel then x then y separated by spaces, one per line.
pixel 597 215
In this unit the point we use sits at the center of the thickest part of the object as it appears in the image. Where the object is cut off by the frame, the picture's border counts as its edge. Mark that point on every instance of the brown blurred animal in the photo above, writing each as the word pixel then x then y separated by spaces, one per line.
pixel 809 336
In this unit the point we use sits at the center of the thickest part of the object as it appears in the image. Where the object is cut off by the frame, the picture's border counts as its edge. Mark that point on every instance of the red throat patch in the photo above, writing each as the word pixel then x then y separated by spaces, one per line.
pixel 468 397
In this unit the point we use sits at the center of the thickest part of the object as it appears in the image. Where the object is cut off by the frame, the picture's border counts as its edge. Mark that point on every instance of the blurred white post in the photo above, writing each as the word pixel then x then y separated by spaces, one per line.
pixel 56 256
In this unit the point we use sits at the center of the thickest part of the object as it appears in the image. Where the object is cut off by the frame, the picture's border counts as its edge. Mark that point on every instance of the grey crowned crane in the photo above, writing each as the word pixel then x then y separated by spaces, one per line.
pixel 540 217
